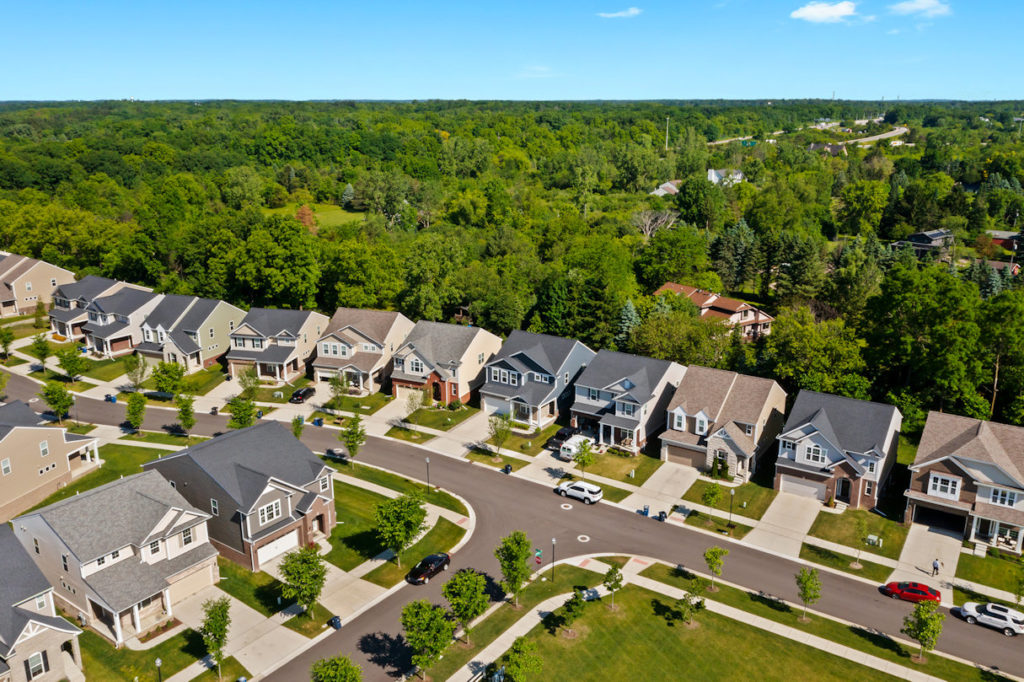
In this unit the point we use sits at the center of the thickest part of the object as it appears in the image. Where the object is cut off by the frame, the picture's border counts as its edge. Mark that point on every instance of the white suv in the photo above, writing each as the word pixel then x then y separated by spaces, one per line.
pixel 995 616
pixel 588 492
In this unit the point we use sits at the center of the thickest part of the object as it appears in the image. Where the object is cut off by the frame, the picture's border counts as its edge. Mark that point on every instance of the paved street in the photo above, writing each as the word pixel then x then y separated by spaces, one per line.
pixel 503 503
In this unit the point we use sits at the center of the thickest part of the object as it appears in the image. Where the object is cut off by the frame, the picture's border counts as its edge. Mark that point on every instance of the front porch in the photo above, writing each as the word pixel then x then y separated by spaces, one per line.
pixel 531 417
pixel 133 621
pixel 83 461
pixel 110 348
pixel 277 372
pixel 623 438
pixel 996 534
pixel 359 383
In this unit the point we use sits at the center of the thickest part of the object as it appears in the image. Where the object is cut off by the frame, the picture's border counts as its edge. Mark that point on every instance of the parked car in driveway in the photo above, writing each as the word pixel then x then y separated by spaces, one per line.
pixel 1007 620
pixel 581 490
pixel 563 434
pixel 427 568
pixel 302 395
pixel 913 592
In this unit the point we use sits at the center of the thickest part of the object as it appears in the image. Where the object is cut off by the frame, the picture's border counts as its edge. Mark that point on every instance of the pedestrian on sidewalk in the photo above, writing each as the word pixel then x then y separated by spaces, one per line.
pixel 936 565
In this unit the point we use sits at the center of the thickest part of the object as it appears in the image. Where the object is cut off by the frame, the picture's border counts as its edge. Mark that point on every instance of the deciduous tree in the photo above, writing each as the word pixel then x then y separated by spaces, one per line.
pixel 304 576
pixel 713 557
pixel 135 413
pixel 584 457
pixel 186 412
pixel 499 427
pixel 136 368
pixel 57 398
pixel 71 361
pixel 214 629
pixel 522 662
pixel 399 521
pixel 924 625
pixel 466 593
pixel 41 348
pixel 353 436
pixel 167 376
pixel 243 413
pixel 336 669
pixel 428 631
pixel 513 556
pixel 808 585
pixel 612 582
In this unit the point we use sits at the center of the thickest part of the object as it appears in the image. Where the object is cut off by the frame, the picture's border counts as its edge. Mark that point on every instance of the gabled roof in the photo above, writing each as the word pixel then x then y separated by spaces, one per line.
pixel 722 395
pixel 272 321
pixel 439 343
pixel 373 324
pixel 849 424
pixel 123 302
pixel 201 309
pixel 179 314
pixel 624 374
pixel 18 414
pixel 168 311
pixel 243 462
pixel 87 288
pixel 977 445
pixel 544 352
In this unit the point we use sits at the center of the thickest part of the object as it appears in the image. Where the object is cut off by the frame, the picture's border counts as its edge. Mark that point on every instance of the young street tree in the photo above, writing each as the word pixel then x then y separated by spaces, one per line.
pixel 808 585
pixel 513 556
pixel 338 385
pixel 168 377
pixel 243 413
pixel 304 577
pixel 428 630
pixel 613 582
pixel 136 368
pixel 298 425
pixel 353 436
pixel 249 381
pixel 466 593
pixel 4 376
pixel 499 428
pixel 399 521
pixel 214 630
pixel 413 402
pixel 41 348
pixel 57 398
pixel 336 669
pixel 584 457
pixel 924 625
pixel 186 412
pixel 522 662
pixel 692 600
pixel 714 557
pixel 6 339
pixel 860 524
pixel 572 609
pixel 72 362
pixel 135 413
pixel 711 496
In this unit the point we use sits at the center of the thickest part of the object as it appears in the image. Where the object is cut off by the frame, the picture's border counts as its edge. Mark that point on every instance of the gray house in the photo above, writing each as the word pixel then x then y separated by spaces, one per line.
pixel 266 492
pixel 115 321
pixel 35 643
pixel 531 377
pixel 191 331
pixel 621 399
pixel 276 343
pixel 68 315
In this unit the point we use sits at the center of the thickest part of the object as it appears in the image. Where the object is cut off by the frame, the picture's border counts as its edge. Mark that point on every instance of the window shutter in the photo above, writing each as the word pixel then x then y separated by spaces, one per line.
pixel 46 662
pixel 28 670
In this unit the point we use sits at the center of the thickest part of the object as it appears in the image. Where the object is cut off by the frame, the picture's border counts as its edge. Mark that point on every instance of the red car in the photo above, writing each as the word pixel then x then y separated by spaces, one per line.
pixel 915 592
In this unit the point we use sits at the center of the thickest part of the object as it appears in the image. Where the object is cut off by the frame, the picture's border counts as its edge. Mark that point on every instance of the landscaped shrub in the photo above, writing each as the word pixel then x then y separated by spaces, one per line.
pixel 455 405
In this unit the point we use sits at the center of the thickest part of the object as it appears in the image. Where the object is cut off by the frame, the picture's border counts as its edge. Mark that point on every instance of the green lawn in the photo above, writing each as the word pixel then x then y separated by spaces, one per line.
pixel 441 419
pixel 841 562
pixel 327 215
pixel 259 590
pixel 906 452
pixel 163 438
pixel 310 623
pixel 74 427
pixel 717 524
pixel 497 463
pixel 231 669
pixel 101 661
pixel 618 467
pixel 842 528
pixel 408 435
pixel 364 405
pixel 529 444
pixel 118 460
pixel 50 375
pixel 354 539
pixel 105 370
pixel 617 561
pixel 399 483
pixel 962 594
pixel 122 397
pixel 644 639
pixel 23 330
pixel 868 641
pixel 566 578
pixel 14 361
pixel 757 498
pixel 197 383
pixel 265 394
pixel 1001 572
pixel 328 419
pixel 441 538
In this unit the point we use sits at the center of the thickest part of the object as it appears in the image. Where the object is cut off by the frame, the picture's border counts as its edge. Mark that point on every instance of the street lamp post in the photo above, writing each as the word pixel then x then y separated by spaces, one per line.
pixel 552 559
pixel 428 475
pixel 732 496
pixel 159 675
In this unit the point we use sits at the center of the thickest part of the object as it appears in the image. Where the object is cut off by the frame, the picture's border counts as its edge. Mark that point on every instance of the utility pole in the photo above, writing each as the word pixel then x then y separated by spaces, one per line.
pixel 666 133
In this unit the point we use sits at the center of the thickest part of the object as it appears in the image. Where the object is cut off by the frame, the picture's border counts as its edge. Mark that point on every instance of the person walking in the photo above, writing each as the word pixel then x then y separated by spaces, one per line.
pixel 935 567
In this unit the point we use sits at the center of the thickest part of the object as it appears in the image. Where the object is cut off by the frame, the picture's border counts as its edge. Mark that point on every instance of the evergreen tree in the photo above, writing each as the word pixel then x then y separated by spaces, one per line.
pixel 628 321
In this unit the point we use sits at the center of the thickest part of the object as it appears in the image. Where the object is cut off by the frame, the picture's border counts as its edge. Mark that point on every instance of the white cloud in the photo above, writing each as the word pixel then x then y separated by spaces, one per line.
pixel 928 8
pixel 624 14
pixel 825 12
pixel 536 72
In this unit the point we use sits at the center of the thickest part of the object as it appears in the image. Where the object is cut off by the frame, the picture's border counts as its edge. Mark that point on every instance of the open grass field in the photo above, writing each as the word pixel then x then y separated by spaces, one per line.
pixel 326 215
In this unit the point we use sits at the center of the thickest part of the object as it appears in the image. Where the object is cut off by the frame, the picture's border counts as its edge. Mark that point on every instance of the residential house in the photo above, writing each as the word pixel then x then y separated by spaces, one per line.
pixel 359 344
pixel 968 477
pixel 190 331
pixel 26 282
pixel 115 321
pixel 670 188
pixel 1007 239
pixel 35 643
pixel 837 448
pixel 68 315
pixel 929 241
pixel 722 417
pixel 36 460
pixel 1002 266
pixel 266 492
pixel 531 377
pixel 753 322
pixel 446 359
pixel 621 399
pixel 278 343
pixel 121 556
pixel 830 149
pixel 724 176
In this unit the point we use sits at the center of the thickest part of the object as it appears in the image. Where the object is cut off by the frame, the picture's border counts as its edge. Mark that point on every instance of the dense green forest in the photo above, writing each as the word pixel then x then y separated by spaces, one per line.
pixel 539 216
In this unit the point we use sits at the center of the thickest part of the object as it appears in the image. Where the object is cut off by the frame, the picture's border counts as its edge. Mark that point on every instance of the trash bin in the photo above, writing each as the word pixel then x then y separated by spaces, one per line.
pixel 259 414
pixel 214 410
pixel 335 622
pixel 507 469
pixel 319 421
pixel 646 511
pixel 662 516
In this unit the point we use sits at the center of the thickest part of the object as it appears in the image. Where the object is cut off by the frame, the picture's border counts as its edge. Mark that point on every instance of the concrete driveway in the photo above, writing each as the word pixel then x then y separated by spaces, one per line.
pixel 785 523
pixel 664 489
pixel 925 544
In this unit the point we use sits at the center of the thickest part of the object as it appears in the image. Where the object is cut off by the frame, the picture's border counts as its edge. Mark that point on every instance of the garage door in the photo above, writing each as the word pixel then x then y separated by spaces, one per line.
pixel 685 456
pixel 936 518
pixel 191 583
pixel 278 547
pixel 493 405
pixel 801 486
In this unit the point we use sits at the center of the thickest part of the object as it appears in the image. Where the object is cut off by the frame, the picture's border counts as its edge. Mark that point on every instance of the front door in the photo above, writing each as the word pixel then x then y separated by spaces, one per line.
pixel 437 392
pixel 843 489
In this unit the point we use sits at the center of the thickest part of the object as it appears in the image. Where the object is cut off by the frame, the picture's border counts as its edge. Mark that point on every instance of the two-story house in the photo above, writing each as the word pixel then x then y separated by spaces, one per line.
pixel 115 321
pixel 531 377
pixel 936 242
pixel 621 399
pixel 26 282
pixel 752 322
pixel 68 315
pixel 358 345
pixel 968 477
pixel 190 331
pixel 35 643
pixel 267 493
pixel 837 448
pixel 36 460
pixel 120 556
pixel 446 359
pixel 722 417
pixel 277 343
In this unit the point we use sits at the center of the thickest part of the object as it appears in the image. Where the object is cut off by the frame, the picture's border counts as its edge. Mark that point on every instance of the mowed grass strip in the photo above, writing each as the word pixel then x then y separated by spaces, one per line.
pixel 841 562
pixel 259 590
pixel 756 497
pixel 999 571
pixel 441 418
pixel 408 435
pixel 717 524
pixel 441 538
pixel 101 661
pixel 399 483
pixel 354 539
pixel 842 529
pixel 529 444
pixel 496 462
pixel 310 623
pixel 618 466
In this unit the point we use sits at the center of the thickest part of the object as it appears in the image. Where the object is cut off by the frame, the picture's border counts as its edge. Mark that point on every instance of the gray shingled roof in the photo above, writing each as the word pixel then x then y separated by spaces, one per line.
pixel 547 352
pixel 242 462
pixel 87 288
pixel 67 314
pixel 849 424
pixel 201 309
pixel 105 331
pixel 610 370
pixel 128 582
pixel 272 353
pixel 168 310
pixel 374 324
pixel 270 322
pixel 122 512
pixel 17 413
pixel 440 343
pixel 124 302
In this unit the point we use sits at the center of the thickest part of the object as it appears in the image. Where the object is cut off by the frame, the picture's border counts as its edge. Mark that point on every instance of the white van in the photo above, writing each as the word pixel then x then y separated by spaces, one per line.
pixel 571 447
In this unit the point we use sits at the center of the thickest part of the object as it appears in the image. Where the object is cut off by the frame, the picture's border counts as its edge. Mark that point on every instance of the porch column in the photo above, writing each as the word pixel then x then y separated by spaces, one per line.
pixel 96 454
pixel 974 528
pixel 995 535
pixel 277 371
pixel 118 635
pixel 135 618
pixel 360 381
pixel 167 603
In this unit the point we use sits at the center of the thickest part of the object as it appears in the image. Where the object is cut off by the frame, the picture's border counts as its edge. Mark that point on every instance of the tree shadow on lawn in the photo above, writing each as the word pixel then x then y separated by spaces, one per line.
pixel 270 597
pixel 880 640
pixel 670 614
pixel 365 543
pixel 770 601
pixel 492 589
pixel 194 646
pixel 387 651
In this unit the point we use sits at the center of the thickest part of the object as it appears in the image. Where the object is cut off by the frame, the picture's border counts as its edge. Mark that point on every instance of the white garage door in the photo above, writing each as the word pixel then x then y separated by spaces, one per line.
pixel 493 405
pixel 800 486
pixel 278 547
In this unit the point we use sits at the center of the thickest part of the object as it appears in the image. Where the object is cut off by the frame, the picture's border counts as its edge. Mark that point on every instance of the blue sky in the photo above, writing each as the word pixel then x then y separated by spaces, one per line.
pixel 493 49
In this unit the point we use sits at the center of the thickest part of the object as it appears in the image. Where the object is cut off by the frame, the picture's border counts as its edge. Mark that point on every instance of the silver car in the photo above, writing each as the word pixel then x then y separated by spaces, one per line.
pixel 588 492
pixel 995 616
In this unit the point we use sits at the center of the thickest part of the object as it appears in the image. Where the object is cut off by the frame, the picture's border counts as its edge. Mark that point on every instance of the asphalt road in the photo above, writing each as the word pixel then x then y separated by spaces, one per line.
pixel 504 503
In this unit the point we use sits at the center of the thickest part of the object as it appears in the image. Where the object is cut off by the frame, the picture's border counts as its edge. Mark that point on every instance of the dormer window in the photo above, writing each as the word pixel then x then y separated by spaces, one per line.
pixel 944 486
pixel 592 393
pixel 147 334
pixel 415 365
pixel 748 429
pixel 679 422
pixel 787 445
pixel 627 409
pixel 815 454
pixel 701 425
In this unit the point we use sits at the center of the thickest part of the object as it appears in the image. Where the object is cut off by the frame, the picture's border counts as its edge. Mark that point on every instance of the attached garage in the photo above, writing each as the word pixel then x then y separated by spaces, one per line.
pixel 491 405
pixel 188 584
pixel 802 486
pixel 938 518
pixel 685 456
pixel 277 547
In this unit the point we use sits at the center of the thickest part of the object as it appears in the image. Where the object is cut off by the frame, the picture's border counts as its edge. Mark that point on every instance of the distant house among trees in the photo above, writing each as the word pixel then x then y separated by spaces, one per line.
pixel 725 176
pixel 753 322
pixel 831 149
pixel 929 241
pixel 670 188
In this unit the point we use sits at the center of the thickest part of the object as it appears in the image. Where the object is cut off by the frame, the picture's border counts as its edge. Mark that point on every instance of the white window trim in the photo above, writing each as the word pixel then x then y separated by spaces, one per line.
pixel 35 670
pixel 41 598
pixel 186 537
pixel 44 448
pixel 679 421
pixel 700 426
pixel 787 445
pixel 214 507
pixel 815 453
pixel 156 549
pixel 1003 498
pixel 270 512
pixel 324 484
pixel 935 481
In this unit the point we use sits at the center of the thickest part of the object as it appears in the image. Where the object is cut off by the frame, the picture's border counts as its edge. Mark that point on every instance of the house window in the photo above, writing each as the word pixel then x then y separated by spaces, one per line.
pixel 944 486
pixel 592 393
pixel 102 560
pixel 513 378
pixel 214 507
pixel 324 484
pixel 788 445
pixel 480 359
pixel 257 343
pixel 147 334
pixel 1004 498
pixel 160 336
pixel 154 547
pixel 340 350
pixel 44 448
pixel 748 429
pixel 64 561
pixel 702 426
pixel 270 512
pixel 53 282
pixel 211 332
pixel 722 455
pixel 504 376
pixel 369 347
pixel 815 454
pixel 28 286
pixel 41 601
pixel 627 409
pixel 35 544
pixel 116 553
pixel 871 467
pixel 5 466
pixel 455 389
pixel 566 378
pixel 186 537
pixel 869 488
pixel 415 365
pixel 679 422
pixel 37 665
pixel 231 325
pixel 237 342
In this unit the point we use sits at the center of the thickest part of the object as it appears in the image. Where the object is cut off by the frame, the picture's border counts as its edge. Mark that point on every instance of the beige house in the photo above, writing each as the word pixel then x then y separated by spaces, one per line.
pixel 26 282
pixel 360 344
pixel 115 321
pixel 119 557
pixel 37 460
pixel 752 322
pixel 190 331
pixel 446 359
pixel 68 315
pixel 278 343
pixel 722 417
